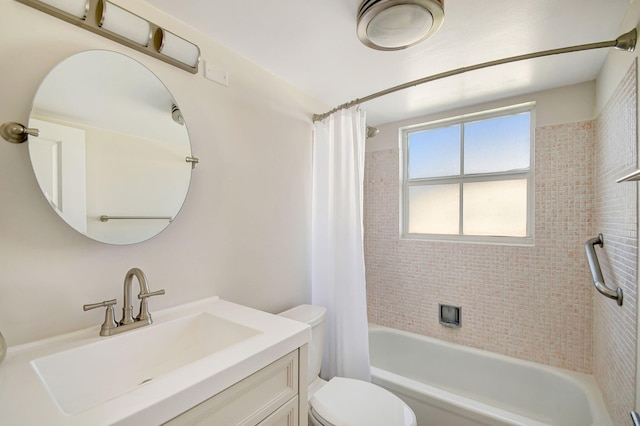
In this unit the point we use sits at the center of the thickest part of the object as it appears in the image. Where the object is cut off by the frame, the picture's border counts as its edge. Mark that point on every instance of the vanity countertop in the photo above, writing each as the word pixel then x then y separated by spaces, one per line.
pixel 25 399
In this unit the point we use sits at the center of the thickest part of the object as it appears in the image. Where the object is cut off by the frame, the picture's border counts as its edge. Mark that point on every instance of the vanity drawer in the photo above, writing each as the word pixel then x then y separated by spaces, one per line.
pixel 251 400
pixel 287 415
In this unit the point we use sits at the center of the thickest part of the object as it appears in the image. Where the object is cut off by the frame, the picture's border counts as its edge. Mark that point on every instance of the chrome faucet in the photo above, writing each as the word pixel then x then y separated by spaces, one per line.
pixel 109 326
pixel 127 318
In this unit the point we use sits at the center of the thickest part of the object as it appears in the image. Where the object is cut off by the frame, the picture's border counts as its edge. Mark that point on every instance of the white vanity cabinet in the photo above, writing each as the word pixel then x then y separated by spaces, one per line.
pixel 272 396
pixel 210 362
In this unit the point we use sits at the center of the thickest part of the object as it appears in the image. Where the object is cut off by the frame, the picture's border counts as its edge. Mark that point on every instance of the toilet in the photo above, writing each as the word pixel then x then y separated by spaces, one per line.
pixel 342 401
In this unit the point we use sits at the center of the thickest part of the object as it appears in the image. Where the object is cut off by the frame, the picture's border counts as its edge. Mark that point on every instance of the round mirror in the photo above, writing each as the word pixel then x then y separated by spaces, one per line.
pixel 113 156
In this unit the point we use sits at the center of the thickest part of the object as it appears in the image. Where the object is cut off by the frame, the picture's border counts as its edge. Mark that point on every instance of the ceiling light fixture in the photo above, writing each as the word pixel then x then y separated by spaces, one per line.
pixel 398 24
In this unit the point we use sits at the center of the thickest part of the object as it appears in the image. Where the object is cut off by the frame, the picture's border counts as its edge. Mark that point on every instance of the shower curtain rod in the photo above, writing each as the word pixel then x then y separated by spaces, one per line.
pixel 626 42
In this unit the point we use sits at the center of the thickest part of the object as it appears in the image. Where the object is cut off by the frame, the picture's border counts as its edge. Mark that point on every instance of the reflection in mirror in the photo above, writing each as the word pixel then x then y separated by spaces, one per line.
pixel 112 145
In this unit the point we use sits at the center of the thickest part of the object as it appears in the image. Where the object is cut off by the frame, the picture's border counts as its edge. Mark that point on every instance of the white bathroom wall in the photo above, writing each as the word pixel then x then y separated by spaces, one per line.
pixel 243 232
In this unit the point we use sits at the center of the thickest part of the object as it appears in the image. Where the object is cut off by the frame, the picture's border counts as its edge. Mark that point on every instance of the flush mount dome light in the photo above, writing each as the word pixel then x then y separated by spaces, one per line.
pixel 398 24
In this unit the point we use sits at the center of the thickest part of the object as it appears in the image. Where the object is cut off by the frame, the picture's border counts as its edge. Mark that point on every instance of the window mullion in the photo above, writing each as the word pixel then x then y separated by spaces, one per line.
pixel 485 177
pixel 461 194
pixel 404 200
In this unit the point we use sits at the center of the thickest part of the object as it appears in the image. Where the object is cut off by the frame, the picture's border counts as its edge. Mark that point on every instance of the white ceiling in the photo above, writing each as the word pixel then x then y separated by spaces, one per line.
pixel 313 45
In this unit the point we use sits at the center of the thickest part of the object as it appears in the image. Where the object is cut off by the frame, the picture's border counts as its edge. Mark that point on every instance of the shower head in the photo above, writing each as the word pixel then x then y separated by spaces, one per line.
pixel 372 131
pixel 176 115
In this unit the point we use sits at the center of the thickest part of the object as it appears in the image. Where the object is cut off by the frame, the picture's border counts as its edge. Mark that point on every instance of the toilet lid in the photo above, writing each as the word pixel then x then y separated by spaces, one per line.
pixel 350 402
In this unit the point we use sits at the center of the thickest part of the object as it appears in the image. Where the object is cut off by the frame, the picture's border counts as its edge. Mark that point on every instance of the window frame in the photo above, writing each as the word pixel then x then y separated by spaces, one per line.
pixel 461 179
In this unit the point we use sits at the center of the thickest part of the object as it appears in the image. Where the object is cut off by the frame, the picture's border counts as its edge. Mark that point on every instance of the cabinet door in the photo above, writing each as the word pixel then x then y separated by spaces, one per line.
pixel 249 401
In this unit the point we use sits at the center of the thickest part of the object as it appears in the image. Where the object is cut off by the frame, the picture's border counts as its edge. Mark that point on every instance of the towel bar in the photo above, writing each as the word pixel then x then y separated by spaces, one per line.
pixel 596 272
pixel 106 218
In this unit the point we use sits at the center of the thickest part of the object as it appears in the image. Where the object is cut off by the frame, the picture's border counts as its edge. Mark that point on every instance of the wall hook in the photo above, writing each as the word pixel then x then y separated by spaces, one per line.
pixel 16 133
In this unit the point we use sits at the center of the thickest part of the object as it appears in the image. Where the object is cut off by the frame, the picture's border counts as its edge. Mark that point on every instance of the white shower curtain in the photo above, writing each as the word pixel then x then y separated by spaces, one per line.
pixel 337 265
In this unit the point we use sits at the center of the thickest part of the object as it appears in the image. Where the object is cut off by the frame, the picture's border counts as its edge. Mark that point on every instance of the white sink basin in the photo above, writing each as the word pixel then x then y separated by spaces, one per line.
pixel 83 377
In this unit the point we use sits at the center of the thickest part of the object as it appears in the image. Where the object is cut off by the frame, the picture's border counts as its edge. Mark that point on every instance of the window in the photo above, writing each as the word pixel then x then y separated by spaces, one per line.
pixel 470 178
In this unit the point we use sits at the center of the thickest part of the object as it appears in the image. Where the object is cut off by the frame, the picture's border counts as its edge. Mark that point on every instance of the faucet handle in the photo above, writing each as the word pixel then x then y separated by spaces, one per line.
pixel 143 314
pixel 109 323
pixel 106 303
pixel 143 296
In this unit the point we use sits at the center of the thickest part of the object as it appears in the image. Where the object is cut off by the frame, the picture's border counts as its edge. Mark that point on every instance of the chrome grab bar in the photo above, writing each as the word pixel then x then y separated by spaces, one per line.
pixel 596 272
pixel 635 418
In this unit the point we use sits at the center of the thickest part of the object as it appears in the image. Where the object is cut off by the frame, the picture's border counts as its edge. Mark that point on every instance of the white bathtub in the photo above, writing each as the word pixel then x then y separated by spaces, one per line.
pixel 452 385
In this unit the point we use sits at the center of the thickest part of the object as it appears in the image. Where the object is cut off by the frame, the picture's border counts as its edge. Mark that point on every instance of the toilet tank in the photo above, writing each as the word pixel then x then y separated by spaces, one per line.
pixel 314 316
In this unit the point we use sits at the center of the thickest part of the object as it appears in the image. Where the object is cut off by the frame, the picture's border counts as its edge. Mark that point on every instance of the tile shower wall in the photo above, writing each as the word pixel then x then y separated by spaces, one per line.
pixel 533 303
pixel 615 215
